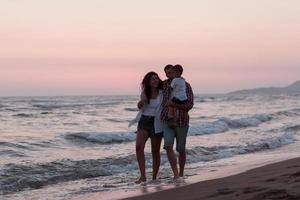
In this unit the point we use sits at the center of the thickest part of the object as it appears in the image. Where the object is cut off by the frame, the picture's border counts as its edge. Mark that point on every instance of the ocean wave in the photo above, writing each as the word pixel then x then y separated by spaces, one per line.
pixel 219 126
pixel 11 153
pixel 209 128
pixel 288 113
pixel 46 106
pixel 292 128
pixel 77 105
pixel 13 145
pixel 10 109
pixel 17 177
pixel 224 124
pixel 235 97
pixel 199 99
pixel 198 154
pixel 131 109
pixel 23 115
pixel 29 146
pixel 40 100
pixel 42 144
pixel 115 120
pixel 247 121
pixel 101 138
pixel 203 99
pixel 45 113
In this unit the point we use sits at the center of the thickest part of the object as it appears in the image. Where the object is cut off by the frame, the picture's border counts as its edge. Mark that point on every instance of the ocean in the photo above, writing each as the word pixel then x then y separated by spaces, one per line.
pixel 62 147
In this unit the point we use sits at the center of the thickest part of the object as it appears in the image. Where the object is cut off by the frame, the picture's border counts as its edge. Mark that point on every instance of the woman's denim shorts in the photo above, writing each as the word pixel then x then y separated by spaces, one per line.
pixel 146 123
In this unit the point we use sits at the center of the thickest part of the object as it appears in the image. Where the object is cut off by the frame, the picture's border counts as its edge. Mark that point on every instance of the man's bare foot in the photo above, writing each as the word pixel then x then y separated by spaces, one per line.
pixel 175 178
pixel 178 179
pixel 154 181
pixel 140 180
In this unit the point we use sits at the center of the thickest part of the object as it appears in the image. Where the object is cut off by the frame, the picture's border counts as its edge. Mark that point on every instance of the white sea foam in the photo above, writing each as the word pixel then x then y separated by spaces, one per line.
pixel 224 124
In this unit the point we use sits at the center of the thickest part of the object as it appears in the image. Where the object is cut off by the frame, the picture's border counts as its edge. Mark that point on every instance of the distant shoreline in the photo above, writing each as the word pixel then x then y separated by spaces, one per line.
pixel 290 89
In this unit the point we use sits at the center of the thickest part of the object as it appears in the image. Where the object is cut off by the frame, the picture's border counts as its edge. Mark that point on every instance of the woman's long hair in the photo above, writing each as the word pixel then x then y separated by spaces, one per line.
pixel 146 87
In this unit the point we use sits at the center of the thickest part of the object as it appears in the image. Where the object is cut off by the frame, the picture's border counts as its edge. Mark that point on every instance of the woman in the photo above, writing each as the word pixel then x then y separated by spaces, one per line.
pixel 149 124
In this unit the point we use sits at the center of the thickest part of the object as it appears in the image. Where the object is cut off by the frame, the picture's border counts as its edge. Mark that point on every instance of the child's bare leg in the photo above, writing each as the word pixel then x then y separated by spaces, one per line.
pixel 171 117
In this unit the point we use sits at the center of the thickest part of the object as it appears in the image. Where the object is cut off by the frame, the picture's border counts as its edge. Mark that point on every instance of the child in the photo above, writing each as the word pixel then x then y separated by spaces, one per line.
pixel 178 93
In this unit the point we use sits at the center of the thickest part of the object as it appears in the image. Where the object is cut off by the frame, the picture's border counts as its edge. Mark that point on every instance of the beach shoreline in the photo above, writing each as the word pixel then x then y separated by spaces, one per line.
pixel 209 182
pixel 279 180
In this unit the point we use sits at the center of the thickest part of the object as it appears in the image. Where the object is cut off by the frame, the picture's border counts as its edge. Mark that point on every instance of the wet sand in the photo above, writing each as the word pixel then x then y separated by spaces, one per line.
pixel 271 182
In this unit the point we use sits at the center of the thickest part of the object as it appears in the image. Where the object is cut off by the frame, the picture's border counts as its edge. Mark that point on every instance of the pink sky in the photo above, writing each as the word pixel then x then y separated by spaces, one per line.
pixel 96 47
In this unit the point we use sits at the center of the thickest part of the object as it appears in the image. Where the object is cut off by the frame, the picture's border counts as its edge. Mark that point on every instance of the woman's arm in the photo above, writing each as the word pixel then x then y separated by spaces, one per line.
pixel 143 100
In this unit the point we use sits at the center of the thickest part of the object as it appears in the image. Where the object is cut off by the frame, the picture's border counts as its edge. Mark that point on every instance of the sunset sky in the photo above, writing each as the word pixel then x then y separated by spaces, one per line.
pixel 102 47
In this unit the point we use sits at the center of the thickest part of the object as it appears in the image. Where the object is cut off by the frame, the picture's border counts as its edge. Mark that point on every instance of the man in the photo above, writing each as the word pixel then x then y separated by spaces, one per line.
pixel 167 70
pixel 180 131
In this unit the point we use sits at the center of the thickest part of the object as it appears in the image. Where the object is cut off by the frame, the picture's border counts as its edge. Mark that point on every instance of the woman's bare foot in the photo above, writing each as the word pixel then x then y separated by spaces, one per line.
pixel 140 180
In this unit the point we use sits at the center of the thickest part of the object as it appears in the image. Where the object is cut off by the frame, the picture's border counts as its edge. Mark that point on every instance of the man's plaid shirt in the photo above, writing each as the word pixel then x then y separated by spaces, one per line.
pixel 183 116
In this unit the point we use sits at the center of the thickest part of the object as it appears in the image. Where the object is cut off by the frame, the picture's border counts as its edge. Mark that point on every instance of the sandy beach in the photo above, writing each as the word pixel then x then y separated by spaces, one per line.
pixel 275 181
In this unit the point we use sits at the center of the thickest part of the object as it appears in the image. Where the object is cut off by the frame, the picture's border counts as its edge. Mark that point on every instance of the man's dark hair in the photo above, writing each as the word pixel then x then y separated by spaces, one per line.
pixel 178 68
pixel 168 67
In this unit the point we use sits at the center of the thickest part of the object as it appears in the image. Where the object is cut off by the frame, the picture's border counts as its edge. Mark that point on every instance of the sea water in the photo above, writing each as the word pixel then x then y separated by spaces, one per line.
pixel 62 147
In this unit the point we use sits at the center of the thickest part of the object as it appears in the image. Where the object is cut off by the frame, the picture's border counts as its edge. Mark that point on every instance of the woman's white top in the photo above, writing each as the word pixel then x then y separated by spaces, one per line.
pixel 151 108
pixel 154 108
pixel 179 88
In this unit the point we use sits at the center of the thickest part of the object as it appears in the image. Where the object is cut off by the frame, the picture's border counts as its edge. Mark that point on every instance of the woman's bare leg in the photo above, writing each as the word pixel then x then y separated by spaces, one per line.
pixel 141 139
